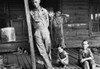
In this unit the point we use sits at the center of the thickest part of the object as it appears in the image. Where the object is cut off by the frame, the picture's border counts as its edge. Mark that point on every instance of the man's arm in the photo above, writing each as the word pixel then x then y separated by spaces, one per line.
pixel 46 14
pixel 47 18
pixel 32 14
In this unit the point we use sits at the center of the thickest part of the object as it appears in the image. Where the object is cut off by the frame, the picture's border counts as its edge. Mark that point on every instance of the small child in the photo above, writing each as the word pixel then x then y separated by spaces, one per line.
pixel 20 50
pixel 62 56
pixel 86 56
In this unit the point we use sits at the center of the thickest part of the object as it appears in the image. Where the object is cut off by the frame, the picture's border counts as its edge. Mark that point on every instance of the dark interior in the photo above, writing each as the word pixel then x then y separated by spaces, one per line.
pixel 48 4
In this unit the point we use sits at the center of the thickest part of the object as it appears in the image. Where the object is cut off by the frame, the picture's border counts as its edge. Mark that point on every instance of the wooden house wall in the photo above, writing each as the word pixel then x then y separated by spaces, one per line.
pixel 12 14
pixel 79 16
pixel 79 25
pixel 17 17
pixel 78 22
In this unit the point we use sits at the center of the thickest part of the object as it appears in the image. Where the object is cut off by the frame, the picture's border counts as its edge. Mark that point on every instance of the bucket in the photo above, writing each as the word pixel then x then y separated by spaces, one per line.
pixel 8 34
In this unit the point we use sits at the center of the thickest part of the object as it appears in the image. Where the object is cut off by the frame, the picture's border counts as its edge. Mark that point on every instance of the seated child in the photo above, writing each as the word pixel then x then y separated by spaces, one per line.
pixel 86 56
pixel 62 56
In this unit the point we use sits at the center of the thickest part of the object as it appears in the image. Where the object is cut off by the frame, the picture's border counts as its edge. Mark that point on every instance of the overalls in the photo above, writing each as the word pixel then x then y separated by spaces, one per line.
pixel 42 36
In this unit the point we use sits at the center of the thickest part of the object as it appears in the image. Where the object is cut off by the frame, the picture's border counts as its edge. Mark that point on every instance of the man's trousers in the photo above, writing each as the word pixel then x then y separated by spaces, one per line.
pixel 43 43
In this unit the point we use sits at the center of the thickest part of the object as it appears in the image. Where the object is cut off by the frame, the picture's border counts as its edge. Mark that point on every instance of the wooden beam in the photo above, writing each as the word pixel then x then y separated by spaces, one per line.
pixel 90 9
pixel 28 18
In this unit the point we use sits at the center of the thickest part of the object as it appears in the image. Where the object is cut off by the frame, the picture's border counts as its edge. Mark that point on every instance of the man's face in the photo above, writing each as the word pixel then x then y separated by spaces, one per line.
pixel 36 3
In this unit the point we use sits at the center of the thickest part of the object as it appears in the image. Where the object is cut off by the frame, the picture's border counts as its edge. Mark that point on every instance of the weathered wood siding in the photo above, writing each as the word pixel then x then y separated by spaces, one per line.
pixel 79 15
pixel 78 10
pixel 12 14
pixel 77 27
pixel 79 24
pixel 17 17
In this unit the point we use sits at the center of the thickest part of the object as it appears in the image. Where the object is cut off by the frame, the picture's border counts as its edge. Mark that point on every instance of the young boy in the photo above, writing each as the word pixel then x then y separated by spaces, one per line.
pixel 62 56
pixel 86 56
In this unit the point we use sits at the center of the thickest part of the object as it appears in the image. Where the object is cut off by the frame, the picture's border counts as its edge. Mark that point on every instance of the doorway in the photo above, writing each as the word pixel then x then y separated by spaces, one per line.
pixel 54 4
pixel 48 4
pixel 95 15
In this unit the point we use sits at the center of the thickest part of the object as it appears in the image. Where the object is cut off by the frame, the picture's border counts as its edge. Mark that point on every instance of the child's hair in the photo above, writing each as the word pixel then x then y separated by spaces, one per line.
pixel 60 47
pixel 84 41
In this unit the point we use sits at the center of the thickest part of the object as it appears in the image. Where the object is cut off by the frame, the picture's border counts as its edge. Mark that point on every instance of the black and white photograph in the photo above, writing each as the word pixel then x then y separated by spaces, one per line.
pixel 49 34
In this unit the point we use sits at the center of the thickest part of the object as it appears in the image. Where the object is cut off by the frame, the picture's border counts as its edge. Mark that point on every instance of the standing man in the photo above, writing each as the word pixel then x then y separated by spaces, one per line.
pixel 42 36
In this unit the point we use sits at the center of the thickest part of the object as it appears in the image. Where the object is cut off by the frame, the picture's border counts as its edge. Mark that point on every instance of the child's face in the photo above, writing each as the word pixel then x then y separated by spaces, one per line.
pixel 60 49
pixel 85 44
pixel 58 13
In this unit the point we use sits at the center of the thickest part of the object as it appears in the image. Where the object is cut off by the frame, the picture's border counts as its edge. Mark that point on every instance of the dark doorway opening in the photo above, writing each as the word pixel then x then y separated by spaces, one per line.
pixel 51 4
pixel 2 23
pixel 3 13
pixel 48 4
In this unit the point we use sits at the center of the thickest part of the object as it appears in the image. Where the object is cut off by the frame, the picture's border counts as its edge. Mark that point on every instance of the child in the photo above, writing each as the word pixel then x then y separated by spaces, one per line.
pixel 62 56
pixel 20 50
pixel 86 56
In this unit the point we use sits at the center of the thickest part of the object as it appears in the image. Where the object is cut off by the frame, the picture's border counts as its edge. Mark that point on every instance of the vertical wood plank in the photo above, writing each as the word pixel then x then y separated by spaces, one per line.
pixel 26 62
pixel 21 62
pixel 30 33
pixel 28 58
pixel 90 21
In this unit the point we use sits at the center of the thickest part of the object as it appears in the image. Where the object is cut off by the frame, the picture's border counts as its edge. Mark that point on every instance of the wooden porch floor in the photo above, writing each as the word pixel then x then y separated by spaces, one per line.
pixel 24 60
pixel 73 59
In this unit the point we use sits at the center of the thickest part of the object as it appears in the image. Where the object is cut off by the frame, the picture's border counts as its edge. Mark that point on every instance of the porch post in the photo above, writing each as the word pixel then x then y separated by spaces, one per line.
pixel 28 18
